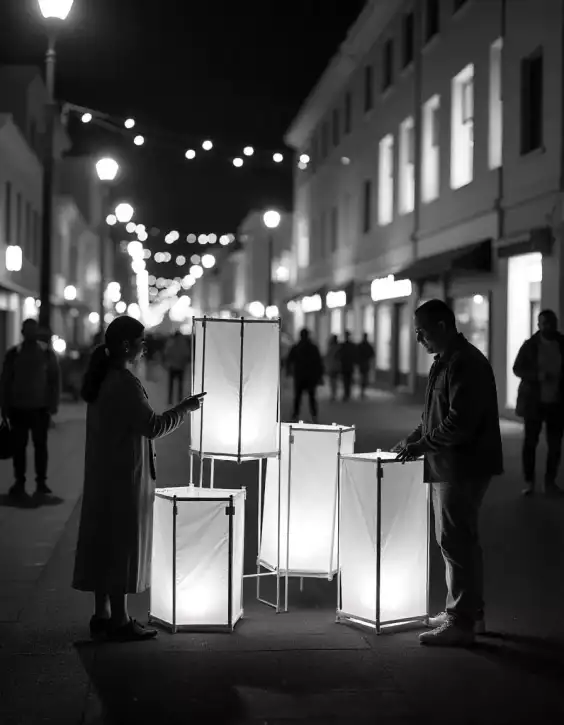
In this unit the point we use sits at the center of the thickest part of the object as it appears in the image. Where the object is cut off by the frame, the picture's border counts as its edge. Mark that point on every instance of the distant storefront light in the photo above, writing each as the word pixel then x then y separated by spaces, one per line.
pixel 389 288
pixel 312 303
pixel 336 299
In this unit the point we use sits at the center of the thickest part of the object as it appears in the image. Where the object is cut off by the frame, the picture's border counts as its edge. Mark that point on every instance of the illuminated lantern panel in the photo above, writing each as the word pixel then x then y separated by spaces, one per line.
pixel 389 514
pixel 237 363
pixel 309 481
pixel 197 563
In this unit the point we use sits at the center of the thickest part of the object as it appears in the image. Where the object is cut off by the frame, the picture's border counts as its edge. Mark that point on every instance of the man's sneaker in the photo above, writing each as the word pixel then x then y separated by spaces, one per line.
pixel 551 489
pixel 43 489
pixel 529 489
pixel 17 490
pixel 133 631
pixel 442 617
pixel 449 634
pixel 99 627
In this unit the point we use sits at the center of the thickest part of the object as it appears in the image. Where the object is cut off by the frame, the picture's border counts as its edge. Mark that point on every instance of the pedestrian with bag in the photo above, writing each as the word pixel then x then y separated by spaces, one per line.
pixel 113 555
pixel 30 390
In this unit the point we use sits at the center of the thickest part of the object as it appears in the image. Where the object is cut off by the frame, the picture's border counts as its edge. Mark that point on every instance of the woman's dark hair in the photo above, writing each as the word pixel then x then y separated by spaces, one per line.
pixel 104 357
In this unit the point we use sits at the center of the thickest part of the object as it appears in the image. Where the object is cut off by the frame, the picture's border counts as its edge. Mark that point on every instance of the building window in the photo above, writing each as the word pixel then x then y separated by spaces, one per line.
pixel 348 113
pixel 322 236
pixel 384 337
pixel 496 106
pixel 432 18
pixel 473 320
pixel 368 89
pixel 19 219
pixel 336 129
pixel 408 39
pixel 532 102
pixel 387 64
pixel 386 181
pixel 334 229
pixel 325 140
pixel 28 237
pixel 462 129
pixel 406 167
pixel 457 4
pixel 430 150
pixel 8 213
pixel 367 206
pixel 36 240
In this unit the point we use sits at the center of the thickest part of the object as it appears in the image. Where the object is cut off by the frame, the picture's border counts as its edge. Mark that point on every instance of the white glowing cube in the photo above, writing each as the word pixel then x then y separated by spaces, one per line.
pixel 309 471
pixel 237 363
pixel 197 562
pixel 384 540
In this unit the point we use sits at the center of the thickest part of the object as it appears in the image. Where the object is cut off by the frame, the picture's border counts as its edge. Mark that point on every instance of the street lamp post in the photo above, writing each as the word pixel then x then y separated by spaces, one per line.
pixel 271 221
pixel 54 12
pixel 107 170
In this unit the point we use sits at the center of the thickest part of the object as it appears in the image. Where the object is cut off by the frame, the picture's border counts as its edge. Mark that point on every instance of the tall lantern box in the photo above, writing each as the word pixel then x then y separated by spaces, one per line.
pixel 384 511
pixel 237 363
pixel 309 473
pixel 197 563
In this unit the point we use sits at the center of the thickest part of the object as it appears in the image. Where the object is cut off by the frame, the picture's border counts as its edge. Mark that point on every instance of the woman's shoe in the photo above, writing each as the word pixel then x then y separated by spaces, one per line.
pixel 99 627
pixel 131 632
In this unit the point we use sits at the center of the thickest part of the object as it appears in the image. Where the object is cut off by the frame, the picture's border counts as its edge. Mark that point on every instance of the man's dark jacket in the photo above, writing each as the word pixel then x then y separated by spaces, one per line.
pixel 459 429
pixel 305 364
pixel 526 367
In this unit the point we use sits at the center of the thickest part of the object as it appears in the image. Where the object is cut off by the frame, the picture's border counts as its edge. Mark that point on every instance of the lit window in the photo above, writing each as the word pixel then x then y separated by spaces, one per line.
pixel 406 167
pixel 430 150
pixel 496 106
pixel 386 181
pixel 462 128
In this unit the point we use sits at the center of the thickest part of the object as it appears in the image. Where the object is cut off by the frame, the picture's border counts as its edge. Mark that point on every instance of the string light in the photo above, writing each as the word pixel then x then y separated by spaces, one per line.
pixel 139 140
pixel 181 260
pixel 207 145
pixel 130 227
pixel 129 123
pixel 195 259
pixel 142 236
pixel 86 117
pixel 196 271
pixel 248 150
pixel 203 238
pixel 238 162
pixel 304 158
pixel 191 238
pixel 111 220
pixel 278 158
pixel 208 261
pixel 190 154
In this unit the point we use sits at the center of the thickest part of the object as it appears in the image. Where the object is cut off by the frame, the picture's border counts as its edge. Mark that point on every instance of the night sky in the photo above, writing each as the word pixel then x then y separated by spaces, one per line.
pixel 234 72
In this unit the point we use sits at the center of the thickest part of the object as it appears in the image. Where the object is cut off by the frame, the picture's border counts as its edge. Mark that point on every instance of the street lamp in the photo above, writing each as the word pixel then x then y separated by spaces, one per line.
pixel 54 11
pixel 107 170
pixel 124 213
pixel 271 219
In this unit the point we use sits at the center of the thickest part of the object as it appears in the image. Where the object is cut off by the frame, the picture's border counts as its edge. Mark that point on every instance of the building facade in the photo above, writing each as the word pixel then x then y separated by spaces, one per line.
pixel 431 166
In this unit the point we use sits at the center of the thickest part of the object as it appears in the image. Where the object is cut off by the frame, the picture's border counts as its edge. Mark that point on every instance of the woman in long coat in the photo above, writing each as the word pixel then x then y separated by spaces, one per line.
pixel 113 554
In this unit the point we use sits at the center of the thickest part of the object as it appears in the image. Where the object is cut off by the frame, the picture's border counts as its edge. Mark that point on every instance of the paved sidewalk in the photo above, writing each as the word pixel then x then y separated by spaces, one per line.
pixel 301 666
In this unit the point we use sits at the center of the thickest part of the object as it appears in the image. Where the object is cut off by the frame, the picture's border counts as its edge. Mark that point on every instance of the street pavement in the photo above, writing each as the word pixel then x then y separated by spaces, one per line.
pixel 300 666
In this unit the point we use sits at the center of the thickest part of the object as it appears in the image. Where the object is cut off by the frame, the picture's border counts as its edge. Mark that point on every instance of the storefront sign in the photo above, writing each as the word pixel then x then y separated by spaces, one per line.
pixel 336 299
pixel 312 304
pixel 388 288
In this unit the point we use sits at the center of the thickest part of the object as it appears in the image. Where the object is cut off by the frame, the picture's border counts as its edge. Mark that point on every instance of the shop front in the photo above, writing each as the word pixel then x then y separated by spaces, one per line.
pixel 393 310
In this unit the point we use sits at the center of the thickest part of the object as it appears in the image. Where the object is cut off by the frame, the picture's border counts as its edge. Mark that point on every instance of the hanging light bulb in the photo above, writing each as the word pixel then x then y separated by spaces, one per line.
pixel 207 145
pixel 139 140
pixel 130 123
pixel 190 154
pixel 86 117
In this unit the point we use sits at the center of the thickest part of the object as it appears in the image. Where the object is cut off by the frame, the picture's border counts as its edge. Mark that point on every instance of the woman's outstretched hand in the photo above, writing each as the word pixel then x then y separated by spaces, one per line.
pixel 192 403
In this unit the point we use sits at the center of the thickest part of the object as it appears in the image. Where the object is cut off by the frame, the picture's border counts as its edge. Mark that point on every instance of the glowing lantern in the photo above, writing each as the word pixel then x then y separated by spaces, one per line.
pixel 309 475
pixel 237 363
pixel 384 540
pixel 197 558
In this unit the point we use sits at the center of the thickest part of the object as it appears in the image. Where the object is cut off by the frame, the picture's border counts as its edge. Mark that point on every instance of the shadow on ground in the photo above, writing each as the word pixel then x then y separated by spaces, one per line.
pixel 30 502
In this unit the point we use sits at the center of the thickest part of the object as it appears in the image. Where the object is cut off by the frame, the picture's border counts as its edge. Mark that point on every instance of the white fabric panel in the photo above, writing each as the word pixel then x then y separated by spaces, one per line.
pixel 404 542
pixel 161 562
pixel 221 368
pixel 313 500
pixel 202 556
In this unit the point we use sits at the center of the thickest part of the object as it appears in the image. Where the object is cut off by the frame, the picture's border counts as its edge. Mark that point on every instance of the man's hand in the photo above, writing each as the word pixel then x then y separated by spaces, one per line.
pixel 399 446
pixel 410 452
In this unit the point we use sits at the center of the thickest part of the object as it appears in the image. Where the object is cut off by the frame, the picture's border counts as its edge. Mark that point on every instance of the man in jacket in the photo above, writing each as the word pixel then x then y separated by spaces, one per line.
pixel 459 436
pixel 304 363
pixel 366 356
pixel 348 356
pixel 540 400
pixel 30 389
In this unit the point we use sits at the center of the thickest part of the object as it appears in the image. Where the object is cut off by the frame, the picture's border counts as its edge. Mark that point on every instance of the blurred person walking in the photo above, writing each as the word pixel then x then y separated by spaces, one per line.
pixel 348 356
pixel 30 391
pixel 333 365
pixel 113 553
pixel 460 437
pixel 176 359
pixel 366 357
pixel 305 365
pixel 540 399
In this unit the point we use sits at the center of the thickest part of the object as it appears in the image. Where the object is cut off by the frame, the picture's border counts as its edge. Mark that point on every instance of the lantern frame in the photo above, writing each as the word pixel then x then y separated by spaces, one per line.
pixel 379 463
pixel 287 572
pixel 232 620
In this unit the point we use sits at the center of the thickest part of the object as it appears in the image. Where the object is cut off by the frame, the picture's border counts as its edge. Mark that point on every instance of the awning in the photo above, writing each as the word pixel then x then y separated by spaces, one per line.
pixel 473 258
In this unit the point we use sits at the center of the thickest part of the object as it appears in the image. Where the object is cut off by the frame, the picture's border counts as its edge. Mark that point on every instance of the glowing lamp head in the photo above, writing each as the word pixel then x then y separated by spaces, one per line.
pixel 69 293
pixel 208 261
pixel 207 145
pixel 57 9
pixel 86 117
pixel 271 219
pixel 124 213
pixel 139 140
pixel 129 123
pixel 107 169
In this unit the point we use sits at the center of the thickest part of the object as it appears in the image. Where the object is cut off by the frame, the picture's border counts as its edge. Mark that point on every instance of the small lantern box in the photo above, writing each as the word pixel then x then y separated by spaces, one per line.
pixel 197 562
pixel 309 472
pixel 237 363
pixel 384 512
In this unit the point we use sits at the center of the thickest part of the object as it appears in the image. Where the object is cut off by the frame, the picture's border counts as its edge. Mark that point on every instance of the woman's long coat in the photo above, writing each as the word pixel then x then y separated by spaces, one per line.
pixel 113 554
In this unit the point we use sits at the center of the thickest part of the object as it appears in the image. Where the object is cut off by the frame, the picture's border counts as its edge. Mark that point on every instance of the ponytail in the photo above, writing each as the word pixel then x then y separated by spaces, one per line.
pixel 98 368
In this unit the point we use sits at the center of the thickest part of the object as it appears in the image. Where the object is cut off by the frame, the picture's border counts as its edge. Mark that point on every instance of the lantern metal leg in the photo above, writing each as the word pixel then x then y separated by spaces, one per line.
pixel 287 574
pixel 427 596
pixel 201 470
pixel 301 584
pixel 339 603
pixel 379 478
pixel 191 468
pixel 259 523
pixel 212 472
